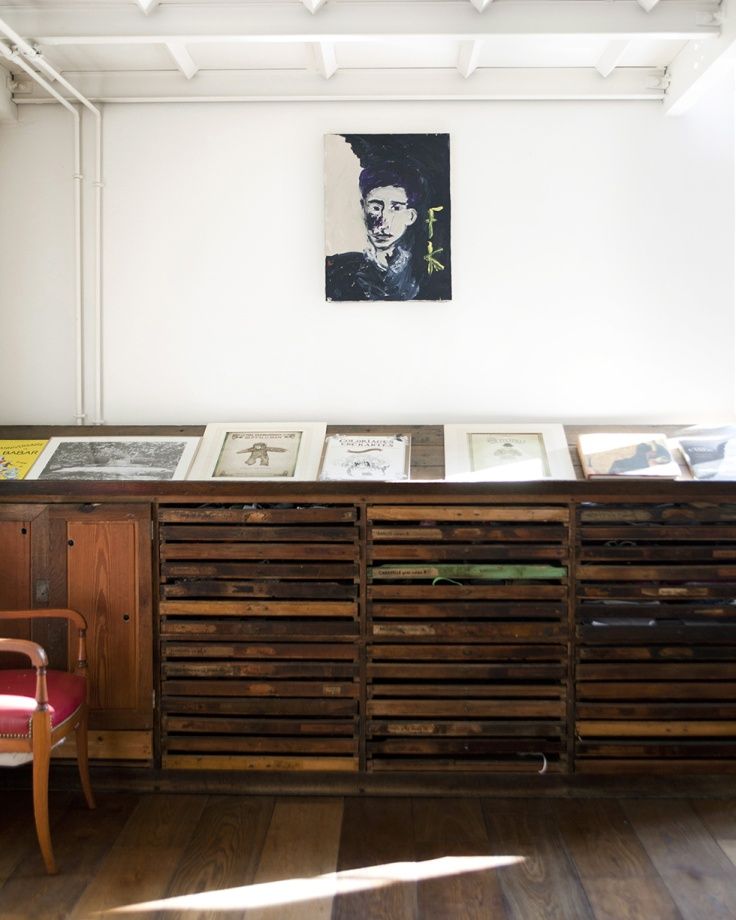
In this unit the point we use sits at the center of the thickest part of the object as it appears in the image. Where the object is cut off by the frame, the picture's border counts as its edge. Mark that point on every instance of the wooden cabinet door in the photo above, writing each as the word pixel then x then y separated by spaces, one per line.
pixel 16 525
pixel 19 524
pixel 102 561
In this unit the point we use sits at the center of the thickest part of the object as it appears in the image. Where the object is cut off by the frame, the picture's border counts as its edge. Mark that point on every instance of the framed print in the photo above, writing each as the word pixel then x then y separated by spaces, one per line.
pixel 233 451
pixel 366 457
pixel 117 457
pixel 387 217
pixel 504 453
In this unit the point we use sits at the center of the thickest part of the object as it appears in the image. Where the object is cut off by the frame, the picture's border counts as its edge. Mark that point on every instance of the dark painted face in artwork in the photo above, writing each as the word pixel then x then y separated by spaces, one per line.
pixel 387 215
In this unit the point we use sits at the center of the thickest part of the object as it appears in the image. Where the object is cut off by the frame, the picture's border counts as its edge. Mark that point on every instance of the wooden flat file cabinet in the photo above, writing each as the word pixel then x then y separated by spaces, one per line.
pixel 96 558
pixel 467 638
pixel 580 633
pixel 395 629
pixel 260 637
pixel 655 637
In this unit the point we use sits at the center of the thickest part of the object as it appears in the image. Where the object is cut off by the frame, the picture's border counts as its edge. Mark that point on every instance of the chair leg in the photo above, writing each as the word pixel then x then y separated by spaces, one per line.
pixel 83 758
pixel 41 733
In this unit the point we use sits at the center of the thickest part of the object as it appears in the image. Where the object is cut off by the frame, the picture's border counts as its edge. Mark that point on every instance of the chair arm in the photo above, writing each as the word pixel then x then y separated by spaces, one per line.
pixel 39 661
pixel 42 613
pixel 65 613
pixel 30 649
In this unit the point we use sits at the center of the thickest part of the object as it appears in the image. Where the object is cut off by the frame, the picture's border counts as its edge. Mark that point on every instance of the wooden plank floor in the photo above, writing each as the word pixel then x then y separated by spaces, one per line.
pixel 190 857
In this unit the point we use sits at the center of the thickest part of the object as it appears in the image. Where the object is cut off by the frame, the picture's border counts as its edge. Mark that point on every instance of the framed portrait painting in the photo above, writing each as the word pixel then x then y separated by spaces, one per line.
pixel 115 457
pixel 233 451
pixel 387 217
pixel 507 452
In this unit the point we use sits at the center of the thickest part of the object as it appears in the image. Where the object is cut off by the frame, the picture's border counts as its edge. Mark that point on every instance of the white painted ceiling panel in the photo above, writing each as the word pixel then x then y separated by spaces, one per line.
pixel 533 51
pixel 399 53
pixel 107 57
pixel 647 53
pixel 237 56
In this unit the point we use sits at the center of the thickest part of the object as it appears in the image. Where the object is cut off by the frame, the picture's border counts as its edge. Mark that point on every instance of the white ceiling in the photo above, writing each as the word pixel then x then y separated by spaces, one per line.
pixel 124 50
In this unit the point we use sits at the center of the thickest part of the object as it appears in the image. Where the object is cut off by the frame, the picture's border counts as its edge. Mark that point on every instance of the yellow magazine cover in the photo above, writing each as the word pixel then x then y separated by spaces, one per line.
pixel 17 457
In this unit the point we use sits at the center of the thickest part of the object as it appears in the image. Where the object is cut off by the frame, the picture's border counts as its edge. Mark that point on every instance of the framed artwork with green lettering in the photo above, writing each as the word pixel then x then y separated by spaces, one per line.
pixel 387 217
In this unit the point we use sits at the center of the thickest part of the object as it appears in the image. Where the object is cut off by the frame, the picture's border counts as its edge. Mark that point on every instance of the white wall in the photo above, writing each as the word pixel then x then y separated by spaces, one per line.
pixel 37 268
pixel 593 264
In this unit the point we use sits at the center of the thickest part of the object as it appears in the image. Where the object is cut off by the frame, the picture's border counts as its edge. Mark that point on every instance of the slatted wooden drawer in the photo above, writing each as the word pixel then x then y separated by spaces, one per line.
pixel 259 637
pixel 467 638
pixel 656 638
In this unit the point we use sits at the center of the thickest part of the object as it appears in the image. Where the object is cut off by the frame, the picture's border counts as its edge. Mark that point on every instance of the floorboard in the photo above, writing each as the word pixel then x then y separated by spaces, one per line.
pixel 453 831
pixel 222 854
pixel 615 870
pixel 167 856
pixel 697 872
pixel 81 841
pixel 17 832
pixel 543 884
pixel 302 843
pixel 145 856
pixel 377 840
pixel 719 817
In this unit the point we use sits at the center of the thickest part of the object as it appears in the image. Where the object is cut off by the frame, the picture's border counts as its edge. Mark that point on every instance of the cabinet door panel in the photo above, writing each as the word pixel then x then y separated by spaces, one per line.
pixel 16 573
pixel 108 578
pixel 15 569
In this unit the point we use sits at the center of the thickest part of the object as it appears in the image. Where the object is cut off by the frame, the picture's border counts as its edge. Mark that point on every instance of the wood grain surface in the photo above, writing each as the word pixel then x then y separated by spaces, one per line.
pixel 179 857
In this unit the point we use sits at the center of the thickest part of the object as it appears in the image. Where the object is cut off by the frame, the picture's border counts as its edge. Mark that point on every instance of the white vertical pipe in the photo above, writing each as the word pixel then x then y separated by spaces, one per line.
pixel 99 417
pixel 98 186
pixel 78 325
pixel 37 58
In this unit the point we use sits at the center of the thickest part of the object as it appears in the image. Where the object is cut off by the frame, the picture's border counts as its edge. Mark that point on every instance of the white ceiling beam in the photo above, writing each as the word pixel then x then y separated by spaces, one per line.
pixel 612 56
pixel 648 5
pixel 701 64
pixel 324 58
pixel 148 6
pixel 361 22
pixel 182 58
pixel 313 5
pixel 468 58
pixel 491 83
pixel 480 5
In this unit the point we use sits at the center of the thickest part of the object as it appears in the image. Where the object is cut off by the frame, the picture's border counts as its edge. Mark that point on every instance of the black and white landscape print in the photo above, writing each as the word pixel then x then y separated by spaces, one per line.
pixel 115 458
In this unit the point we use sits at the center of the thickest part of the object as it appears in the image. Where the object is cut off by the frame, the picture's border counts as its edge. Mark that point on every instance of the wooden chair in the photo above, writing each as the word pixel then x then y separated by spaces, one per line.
pixel 38 710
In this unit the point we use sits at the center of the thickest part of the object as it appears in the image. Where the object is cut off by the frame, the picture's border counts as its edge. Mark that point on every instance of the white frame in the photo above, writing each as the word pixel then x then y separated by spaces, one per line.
pixel 185 461
pixel 458 459
pixel 216 433
pixel 336 450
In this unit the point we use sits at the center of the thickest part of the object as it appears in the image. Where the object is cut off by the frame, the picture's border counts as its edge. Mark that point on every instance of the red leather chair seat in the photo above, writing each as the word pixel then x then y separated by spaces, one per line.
pixel 66 692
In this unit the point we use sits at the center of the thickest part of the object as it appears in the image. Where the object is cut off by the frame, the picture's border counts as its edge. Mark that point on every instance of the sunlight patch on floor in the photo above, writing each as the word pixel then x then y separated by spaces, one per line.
pixel 332 884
